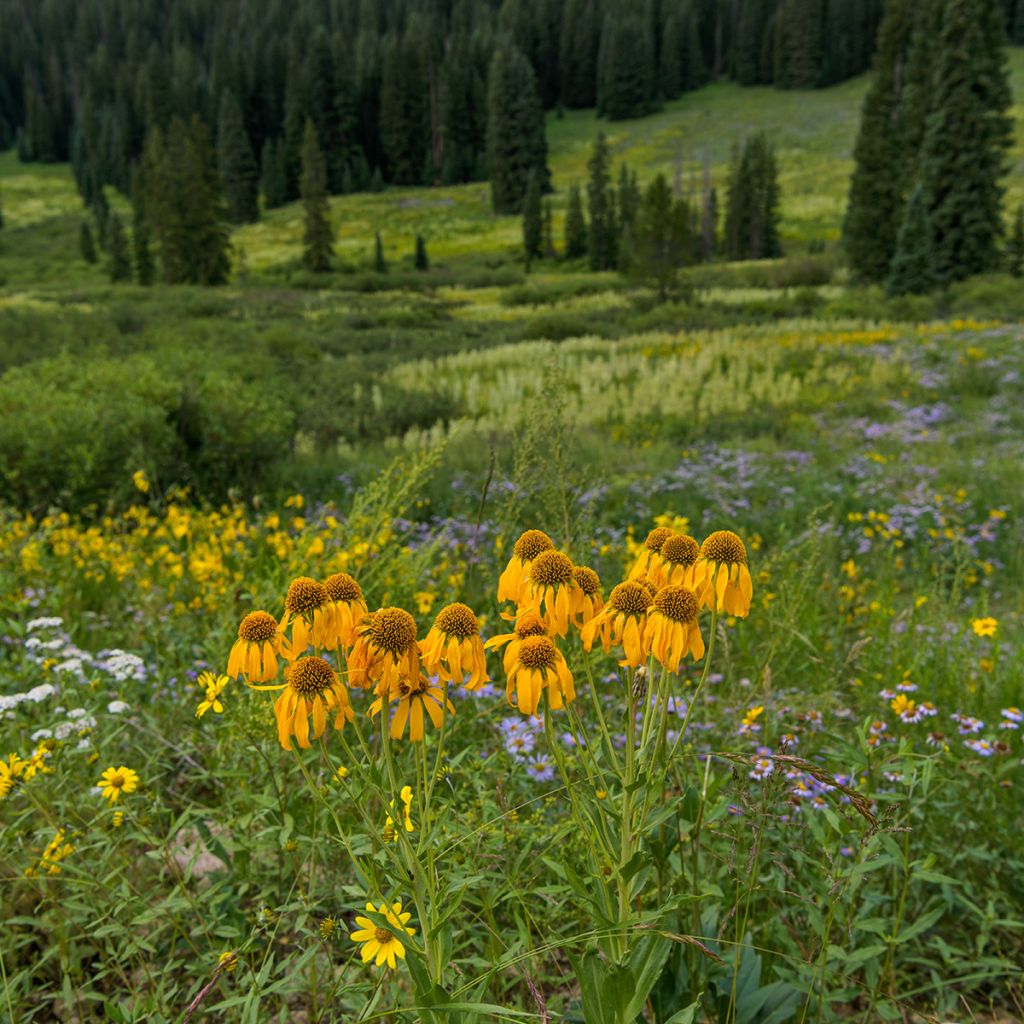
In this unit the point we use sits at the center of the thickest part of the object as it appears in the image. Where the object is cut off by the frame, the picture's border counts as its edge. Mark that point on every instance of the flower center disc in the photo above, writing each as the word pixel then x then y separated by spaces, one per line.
pixel 631 598
pixel 257 627
pixel 724 546
pixel 531 544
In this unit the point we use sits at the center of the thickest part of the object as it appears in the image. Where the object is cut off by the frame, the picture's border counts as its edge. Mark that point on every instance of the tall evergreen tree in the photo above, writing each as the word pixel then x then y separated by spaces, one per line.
pixel 274 174
pixel 1015 250
pixel 603 232
pixel 963 155
pixel 580 39
pixel 799 36
pixel 380 264
pixel 238 171
pixel 877 195
pixel 421 261
pixel 142 251
pixel 575 225
pixel 533 224
pixel 325 107
pixel 754 25
pixel 86 244
pixel 752 206
pixel 661 239
pixel 403 117
pixel 626 64
pixel 119 265
pixel 912 265
pixel 317 244
pixel 516 143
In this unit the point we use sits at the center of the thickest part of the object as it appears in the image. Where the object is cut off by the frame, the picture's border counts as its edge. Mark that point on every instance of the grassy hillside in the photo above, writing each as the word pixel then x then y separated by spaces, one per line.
pixel 814 131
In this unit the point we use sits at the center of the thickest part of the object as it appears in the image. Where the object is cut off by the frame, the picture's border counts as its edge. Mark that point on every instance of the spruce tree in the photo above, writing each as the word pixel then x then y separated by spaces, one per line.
pixel 533 224
pixel 420 259
pixel 142 251
pixel 325 107
pixel 86 244
pixel 1015 250
pixel 799 29
pixel 877 196
pixel 403 115
pixel 317 245
pixel 626 84
pixel 963 155
pixel 274 174
pixel 516 144
pixel 238 172
pixel 575 225
pixel 660 241
pixel 550 252
pixel 602 238
pixel 119 266
pixel 912 266
pixel 380 264
pixel 752 204
pixel 578 53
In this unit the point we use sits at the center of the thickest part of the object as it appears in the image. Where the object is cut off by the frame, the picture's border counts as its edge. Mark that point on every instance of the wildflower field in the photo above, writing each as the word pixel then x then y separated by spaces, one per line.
pixel 481 646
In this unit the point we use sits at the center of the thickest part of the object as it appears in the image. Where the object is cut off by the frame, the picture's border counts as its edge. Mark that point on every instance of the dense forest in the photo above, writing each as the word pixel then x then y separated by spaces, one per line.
pixel 396 89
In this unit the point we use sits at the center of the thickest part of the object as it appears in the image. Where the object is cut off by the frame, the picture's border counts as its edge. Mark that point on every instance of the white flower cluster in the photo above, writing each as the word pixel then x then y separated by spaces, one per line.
pixel 9 701
pixel 77 722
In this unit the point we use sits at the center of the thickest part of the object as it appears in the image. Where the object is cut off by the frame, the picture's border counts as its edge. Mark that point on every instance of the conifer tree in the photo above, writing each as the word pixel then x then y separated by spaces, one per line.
pixel 533 224
pixel 516 144
pixel 963 155
pixel 912 266
pixel 877 196
pixel 625 67
pixel 86 244
pixel 119 266
pixel 317 246
pixel 602 237
pixel 142 252
pixel 751 30
pixel 660 241
pixel 575 225
pixel 420 259
pixel 274 174
pixel 799 27
pixel 1015 249
pixel 238 172
pixel 578 53
pixel 403 116
pixel 325 107
pixel 550 252
pixel 379 262
pixel 752 206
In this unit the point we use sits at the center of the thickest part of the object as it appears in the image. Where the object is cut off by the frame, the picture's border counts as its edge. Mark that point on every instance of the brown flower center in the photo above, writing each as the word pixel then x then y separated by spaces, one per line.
pixel 310 677
pixel 531 544
pixel 679 549
pixel 457 620
pixel 343 588
pixel 657 537
pixel 383 936
pixel 393 630
pixel 257 627
pixel 631 598
pixel 724 547
pixel 551 569
pixel 677 603
pixel 538 652
pixel 530 625
pixel 587 580
pixel 305 595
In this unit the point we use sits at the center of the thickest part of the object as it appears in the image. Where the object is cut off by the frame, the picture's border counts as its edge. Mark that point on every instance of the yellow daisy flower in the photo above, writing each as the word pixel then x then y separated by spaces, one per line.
pixel 985 627
pixel 721 577
pixel 405 796
pixel 525 550
pixel 385 649
pixel 591 600
pixel 679 554
pixel 115 781
pixel 413 699
pixel 551 590
pixel 214 686
pixel 348 606
pixel 383 945
pixel 254 654
pixel 11 769
pixel 453 649
pixel 648 561
pixel 311 687
pixel 528 624
pixel 308 609
pixel 539 664
pixel 57 849
pixel 626 615
pixel 672 631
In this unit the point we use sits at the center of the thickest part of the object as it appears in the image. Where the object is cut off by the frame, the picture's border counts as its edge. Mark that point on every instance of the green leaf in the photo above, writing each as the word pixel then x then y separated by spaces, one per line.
pixel 645 964
pixel 687 1014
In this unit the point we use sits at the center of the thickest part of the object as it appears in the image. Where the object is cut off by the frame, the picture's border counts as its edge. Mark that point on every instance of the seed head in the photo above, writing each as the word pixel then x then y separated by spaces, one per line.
pixel 257 627
pixel 457 620
pixel 393 630
pixel 538 652
pixel 587 580
pixel 531 544
pixel 305 595
pixel 631 598
pixel 679 549
pixel 343 588
pixel 724 547
pixel 310 677
pixel 677 603
pixel 551 569
pixel 657 537
pixel 529 625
